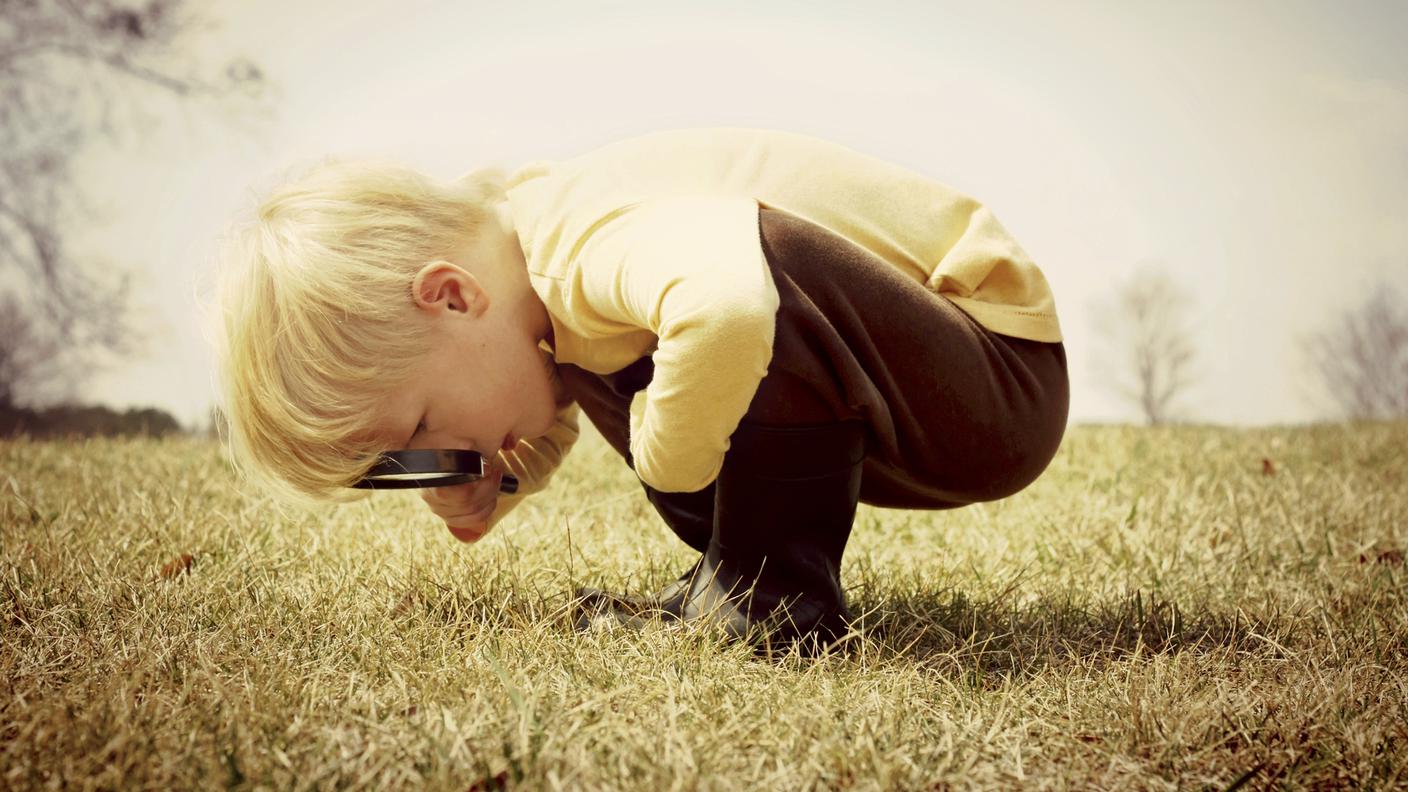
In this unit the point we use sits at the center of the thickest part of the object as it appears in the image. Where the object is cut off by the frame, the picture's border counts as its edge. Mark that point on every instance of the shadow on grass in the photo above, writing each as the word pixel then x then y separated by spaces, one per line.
pixel 1012 633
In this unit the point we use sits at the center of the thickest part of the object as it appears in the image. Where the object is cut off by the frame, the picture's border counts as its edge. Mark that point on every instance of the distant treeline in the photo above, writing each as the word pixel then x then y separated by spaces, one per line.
pixel 70 420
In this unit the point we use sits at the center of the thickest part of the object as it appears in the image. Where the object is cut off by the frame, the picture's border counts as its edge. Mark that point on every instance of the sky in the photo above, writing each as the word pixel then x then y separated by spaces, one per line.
pixel 1256 150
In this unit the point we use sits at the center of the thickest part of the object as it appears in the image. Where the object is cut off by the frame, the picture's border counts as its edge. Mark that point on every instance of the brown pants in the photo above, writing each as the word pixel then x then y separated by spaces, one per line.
pixel 955 413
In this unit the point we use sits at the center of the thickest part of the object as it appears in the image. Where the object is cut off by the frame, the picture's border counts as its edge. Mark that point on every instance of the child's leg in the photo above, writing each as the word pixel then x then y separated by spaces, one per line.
pixel 955 413
pixel 770 529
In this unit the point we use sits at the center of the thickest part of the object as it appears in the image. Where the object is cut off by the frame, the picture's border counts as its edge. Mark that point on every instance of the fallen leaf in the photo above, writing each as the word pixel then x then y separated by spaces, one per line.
pixel 179 565
pixel 497 782
pixel 1390 556
pixel 407 604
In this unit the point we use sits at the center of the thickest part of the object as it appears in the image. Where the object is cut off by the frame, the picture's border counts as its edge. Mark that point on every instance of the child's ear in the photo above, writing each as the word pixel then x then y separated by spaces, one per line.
pixel 441 286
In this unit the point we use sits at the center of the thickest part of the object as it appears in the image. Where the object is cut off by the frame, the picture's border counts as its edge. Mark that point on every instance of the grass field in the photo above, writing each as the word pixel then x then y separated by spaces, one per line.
pixel 1161 610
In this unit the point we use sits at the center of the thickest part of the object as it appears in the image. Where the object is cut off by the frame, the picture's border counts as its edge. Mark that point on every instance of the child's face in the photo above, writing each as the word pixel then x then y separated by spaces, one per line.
pixel 474 393
pixel 484 383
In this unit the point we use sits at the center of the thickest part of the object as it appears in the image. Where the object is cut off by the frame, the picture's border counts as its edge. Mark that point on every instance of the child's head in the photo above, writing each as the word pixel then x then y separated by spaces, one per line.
pixel 323 347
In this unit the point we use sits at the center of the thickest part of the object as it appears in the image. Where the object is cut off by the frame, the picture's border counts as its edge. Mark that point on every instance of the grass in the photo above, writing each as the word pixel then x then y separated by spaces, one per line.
pixel 1156 612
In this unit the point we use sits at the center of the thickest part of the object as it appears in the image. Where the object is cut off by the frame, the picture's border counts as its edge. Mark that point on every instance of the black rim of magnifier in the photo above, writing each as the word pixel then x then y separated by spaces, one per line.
pixel 429 467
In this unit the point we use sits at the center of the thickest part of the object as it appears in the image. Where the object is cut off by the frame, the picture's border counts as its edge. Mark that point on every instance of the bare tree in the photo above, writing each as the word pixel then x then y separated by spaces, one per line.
pixel 1361 358
pixel 1148 352
pixel 23 356
pixel 66 66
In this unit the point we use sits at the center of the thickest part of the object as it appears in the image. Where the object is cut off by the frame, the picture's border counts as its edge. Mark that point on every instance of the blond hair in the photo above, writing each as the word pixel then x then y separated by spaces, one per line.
pixel 315 324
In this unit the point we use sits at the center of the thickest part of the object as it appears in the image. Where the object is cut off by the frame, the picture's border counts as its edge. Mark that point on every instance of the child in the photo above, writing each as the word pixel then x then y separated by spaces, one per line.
pixel 768 327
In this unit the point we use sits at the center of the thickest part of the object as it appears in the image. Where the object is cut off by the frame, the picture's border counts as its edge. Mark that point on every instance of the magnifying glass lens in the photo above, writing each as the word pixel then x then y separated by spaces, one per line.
pixel 430 467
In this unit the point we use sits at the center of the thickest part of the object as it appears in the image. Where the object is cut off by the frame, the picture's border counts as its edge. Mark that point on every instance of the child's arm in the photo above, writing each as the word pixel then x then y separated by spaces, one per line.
pixel 691 270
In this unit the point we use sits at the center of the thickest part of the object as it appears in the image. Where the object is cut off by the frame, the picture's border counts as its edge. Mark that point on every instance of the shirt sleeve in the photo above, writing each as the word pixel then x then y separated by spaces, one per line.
pixel 534 461
pixel 691 270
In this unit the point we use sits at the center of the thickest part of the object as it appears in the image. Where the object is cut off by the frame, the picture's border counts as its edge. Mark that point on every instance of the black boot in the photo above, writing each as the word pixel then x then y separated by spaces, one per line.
pixel 784 504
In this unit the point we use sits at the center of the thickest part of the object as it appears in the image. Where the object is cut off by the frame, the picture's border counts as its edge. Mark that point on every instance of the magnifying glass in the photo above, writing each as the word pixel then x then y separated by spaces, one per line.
pixel 430 467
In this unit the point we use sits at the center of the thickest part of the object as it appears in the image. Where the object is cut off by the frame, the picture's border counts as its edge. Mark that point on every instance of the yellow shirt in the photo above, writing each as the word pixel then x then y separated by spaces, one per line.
pixel 650 245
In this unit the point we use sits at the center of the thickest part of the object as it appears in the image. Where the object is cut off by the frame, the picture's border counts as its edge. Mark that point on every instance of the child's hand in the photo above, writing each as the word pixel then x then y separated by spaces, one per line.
pixel 466 508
